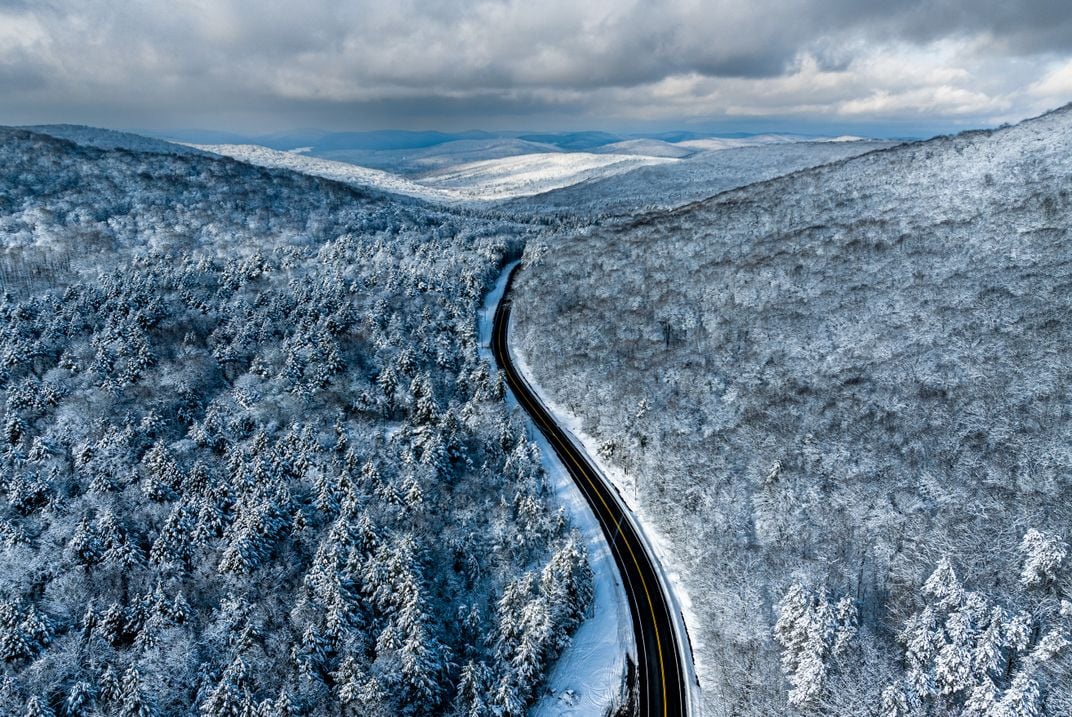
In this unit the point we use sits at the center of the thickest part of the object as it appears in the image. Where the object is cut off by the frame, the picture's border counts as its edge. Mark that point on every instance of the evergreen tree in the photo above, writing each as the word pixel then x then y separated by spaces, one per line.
pixel 24 631
pixel 231 696
pixel 812 631
pixel 84 544
pixel 470 695
pixel 38 708
pixel 425 409
pixel 133 700
pixel 79 701
pixel 1043 556
pixel 349 683
pixel 966 655
pixel 109 687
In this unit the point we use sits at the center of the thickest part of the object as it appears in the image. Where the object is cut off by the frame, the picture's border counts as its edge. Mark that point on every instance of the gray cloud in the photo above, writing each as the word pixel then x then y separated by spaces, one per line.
pixel 419 62
pixel 1021 27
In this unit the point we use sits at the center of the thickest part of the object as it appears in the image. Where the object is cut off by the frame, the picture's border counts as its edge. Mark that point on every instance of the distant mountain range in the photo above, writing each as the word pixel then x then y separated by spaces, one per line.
pixel 318 141
pixel 477 166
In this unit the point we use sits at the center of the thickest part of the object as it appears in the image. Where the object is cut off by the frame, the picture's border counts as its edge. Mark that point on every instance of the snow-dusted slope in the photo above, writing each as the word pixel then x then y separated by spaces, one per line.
pixel 483 181
pixel 647 148
pixel 421 160
pixel 717 144
pixel 515 168
pixel 208 338
pixel 531 174
pixel 344 172
pixel 686 148
pixel 834 379
pixel 110 139
pixel 590 674
pixel 691 179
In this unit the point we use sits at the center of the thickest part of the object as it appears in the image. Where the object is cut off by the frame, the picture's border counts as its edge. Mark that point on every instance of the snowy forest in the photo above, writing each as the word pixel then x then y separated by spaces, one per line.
pixel 253 463
pixel 256 461
pixel 840 401
pixel 499 358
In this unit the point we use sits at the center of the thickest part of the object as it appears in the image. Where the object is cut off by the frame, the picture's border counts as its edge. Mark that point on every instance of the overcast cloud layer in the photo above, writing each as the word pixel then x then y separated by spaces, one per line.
pixel 258 65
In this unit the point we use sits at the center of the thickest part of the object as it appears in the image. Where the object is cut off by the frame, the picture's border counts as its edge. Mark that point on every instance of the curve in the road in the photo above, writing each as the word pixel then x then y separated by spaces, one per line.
pixel 661 676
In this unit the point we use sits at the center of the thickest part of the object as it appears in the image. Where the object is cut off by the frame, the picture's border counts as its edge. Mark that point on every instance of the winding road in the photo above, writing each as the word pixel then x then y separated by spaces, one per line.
pixel 660 689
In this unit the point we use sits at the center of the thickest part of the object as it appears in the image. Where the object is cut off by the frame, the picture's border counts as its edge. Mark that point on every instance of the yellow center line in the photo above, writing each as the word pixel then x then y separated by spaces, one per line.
pixel 522 394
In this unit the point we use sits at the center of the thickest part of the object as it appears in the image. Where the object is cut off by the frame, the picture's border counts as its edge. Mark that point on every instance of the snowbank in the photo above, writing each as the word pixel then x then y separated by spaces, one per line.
pixel 588 675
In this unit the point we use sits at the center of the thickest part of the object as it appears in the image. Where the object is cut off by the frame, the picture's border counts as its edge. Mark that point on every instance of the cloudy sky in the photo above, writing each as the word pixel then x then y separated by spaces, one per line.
pixel 868 66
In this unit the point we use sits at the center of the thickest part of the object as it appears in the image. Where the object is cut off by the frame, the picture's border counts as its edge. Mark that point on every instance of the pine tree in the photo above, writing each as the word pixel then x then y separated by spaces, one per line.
pixel 349 683
pixel 952 667
pixel 231 696
pixel 943 586
pixel 79 701
pixel 84 544
pixel 133 701
pixel 1043 556
pixel 982 700
pixel 988 660
pixel 812 631
pixel 38 708
pixel 109 687
pixel 173 546
pixel 24 631
pixel 897 701
pixel 967 656
pixel 1022 699
pixel 425 409
pixel 160 475
pixel 412 495
pixel 284 705
pixel 566 584
pixel 281 706
pixel 262 519
pixel 14 429
pixel 111 625
pixel 508 700
pixel 118 551
pixel 423 661
pixel 312 652
pixel 472 688
pixel 388 383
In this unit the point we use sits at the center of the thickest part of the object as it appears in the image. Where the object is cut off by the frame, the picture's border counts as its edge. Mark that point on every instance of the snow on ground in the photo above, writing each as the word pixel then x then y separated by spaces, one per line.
pixel 691 179
pixel 530 174
pixel 647 148
pixel 856 287
pixel 483 181
pixel 351 174
pixel 587 677
pixel 410 162
pixel 657 543
pixel 717 144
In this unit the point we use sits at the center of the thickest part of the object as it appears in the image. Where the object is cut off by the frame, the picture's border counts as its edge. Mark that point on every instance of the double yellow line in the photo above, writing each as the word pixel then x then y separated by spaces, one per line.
pixel 566 450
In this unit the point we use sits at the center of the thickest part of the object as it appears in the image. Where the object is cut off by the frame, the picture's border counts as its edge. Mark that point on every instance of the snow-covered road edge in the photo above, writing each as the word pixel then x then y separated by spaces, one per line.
pixel 587 678
pixel 656 543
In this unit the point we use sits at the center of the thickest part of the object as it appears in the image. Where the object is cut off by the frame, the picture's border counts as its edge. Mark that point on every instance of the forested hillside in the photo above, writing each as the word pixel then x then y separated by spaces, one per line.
pixel 842 399
pixel 251 461
pixel 694 178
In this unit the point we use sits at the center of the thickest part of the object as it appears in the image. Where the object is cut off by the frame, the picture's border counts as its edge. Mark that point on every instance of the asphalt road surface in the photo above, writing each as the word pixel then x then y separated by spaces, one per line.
pixel 660 675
